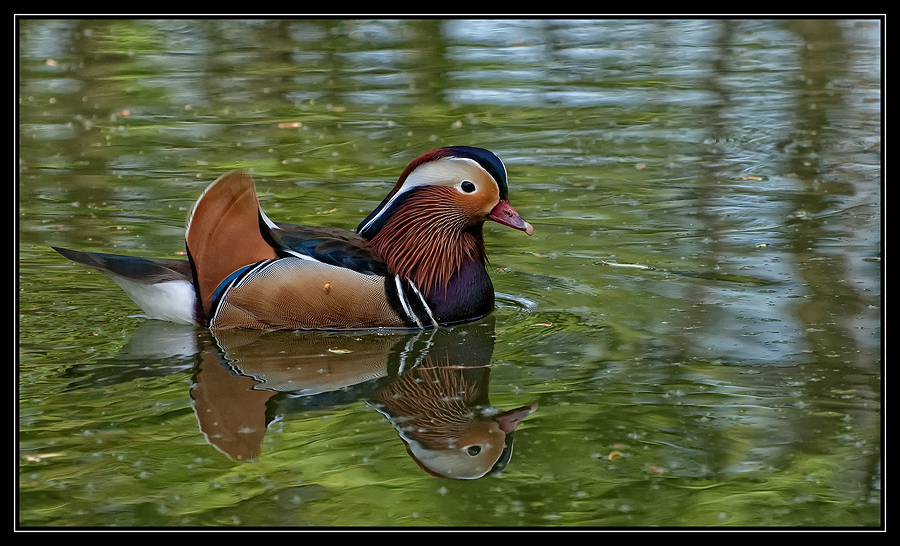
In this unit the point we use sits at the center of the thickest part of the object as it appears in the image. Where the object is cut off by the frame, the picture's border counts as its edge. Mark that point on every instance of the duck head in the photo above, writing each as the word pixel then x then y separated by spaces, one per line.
pixel 431 223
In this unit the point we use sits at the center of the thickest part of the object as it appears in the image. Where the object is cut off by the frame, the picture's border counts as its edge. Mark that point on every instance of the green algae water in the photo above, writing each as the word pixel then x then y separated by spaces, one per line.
pixel 698 316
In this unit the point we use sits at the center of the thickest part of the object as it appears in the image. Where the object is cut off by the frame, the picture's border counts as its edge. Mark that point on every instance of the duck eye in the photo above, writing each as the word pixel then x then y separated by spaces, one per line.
pixel 473 450
pixel 467 186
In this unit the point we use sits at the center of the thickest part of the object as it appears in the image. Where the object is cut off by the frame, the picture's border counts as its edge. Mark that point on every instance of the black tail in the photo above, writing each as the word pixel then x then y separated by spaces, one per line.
pixel 143 270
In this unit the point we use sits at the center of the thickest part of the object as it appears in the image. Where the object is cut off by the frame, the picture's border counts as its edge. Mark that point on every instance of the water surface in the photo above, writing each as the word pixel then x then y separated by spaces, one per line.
pixel 698 315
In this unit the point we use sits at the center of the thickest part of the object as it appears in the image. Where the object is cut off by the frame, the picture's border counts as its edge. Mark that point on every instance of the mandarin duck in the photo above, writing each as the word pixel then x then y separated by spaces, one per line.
pixel 417 261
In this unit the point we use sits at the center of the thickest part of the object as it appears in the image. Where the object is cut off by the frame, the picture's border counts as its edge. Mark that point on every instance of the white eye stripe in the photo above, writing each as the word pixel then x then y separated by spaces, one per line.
pixel 441 172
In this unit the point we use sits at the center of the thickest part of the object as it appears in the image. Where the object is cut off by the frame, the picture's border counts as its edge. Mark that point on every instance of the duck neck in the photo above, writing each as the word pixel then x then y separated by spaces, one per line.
pixel 429 244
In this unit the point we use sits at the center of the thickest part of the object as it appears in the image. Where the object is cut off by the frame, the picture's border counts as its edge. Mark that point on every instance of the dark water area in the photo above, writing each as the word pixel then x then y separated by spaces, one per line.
pixel 698 316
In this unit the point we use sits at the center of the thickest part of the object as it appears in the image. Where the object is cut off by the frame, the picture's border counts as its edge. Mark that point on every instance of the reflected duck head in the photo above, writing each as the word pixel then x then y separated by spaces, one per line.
pixel 485 447
pixel 442 413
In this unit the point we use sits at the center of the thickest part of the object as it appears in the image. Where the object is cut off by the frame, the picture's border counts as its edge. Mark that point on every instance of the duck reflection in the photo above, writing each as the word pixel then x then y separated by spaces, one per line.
pixel 441 411
pixel 432 386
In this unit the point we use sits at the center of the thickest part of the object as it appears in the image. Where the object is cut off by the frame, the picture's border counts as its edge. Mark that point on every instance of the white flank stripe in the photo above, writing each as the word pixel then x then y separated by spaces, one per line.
pixel 409 313
pixel 425 305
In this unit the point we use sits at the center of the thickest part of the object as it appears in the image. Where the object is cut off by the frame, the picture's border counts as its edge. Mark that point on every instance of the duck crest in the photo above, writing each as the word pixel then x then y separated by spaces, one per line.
pixel 427 241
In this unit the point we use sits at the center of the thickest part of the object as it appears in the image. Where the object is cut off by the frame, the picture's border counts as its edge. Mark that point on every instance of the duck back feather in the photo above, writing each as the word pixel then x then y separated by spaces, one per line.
pixel 223 233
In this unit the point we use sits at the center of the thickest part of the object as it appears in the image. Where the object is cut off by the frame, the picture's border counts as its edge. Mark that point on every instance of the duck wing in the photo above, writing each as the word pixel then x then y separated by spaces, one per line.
pixel 333 246
pixel 224 233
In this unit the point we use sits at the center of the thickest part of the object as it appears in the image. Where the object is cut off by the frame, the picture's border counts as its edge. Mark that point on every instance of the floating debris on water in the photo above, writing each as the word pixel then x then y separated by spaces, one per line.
pixel 631 266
